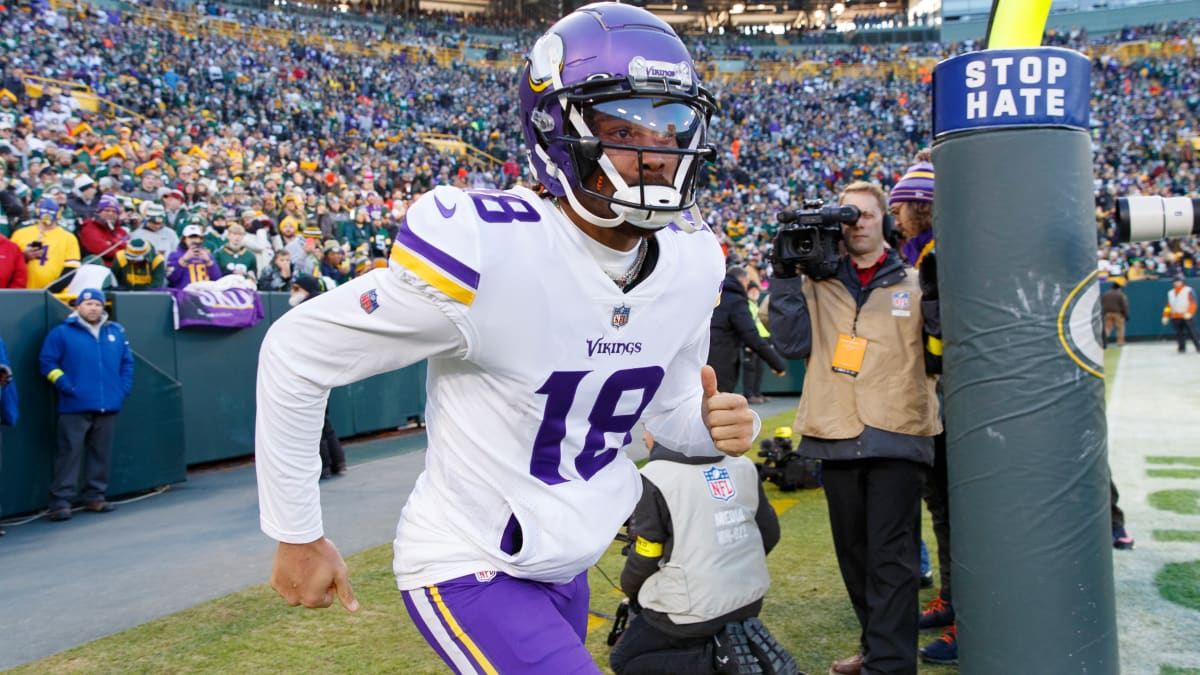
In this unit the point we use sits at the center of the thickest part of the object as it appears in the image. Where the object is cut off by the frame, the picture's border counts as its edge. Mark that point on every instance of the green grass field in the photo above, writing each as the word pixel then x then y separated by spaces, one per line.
pixel 254 631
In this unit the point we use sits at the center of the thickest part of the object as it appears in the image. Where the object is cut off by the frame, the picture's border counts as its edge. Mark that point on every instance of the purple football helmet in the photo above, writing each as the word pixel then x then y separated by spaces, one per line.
pixel 614 77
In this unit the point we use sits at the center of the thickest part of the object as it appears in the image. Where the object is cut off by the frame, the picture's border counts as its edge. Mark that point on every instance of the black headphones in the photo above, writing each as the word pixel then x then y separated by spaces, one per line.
pixel 890 235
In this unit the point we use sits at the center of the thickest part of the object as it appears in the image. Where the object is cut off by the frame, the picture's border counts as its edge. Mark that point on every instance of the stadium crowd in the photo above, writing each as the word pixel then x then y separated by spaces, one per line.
pixel 277 162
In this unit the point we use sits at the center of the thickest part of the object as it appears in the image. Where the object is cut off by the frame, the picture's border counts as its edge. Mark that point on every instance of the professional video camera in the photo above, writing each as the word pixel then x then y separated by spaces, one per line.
pixel 810 235
pixel 782 466
pixel 1150 218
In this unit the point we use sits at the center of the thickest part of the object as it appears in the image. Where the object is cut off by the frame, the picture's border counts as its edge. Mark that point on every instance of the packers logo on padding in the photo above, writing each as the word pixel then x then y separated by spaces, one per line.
pixel 1079 326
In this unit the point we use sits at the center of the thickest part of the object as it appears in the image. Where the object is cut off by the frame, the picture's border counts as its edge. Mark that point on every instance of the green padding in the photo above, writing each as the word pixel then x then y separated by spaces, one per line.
pixel 217 368
pixel 28 447
pixel 387 401
pixel 341 412
pixel 1024 402
pixel 791 383
pixel 149 325
pixel 375 404
pixel 148 448
pixel 192 401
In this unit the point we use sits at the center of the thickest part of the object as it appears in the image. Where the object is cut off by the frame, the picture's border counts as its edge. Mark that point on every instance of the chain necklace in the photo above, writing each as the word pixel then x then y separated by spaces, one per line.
pixel 625 279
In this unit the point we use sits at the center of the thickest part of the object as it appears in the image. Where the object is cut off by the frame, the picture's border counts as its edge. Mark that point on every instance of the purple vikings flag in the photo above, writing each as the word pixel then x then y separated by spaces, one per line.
pixel 228 307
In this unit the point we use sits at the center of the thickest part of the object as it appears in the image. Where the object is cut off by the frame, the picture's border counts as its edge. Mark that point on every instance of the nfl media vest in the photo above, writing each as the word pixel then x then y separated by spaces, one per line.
pixel 892 391
pixel 718 563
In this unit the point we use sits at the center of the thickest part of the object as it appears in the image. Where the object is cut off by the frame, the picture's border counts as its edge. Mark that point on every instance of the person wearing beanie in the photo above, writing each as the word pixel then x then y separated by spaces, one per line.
pixel 911 204
pixel 50 252
pixel 88 360
pixel 177 216
pixel 153 228
pixel 139 267
pixel 104 235
pixel 84 198
pixel 333 262
pixel 297 246
pixel 310 262
pixel 305 289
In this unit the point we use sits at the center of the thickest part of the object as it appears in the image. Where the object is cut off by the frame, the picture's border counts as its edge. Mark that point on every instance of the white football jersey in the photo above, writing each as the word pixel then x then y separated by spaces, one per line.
pixel 560 365
pixel 547 368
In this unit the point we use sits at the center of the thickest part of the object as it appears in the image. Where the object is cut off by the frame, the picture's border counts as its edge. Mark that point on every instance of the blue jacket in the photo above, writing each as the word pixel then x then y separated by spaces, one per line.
pixel 8 393
pixel 91 375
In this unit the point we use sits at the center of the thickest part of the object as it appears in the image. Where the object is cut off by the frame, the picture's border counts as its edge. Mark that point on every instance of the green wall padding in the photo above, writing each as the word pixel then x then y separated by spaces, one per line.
pixel 192 402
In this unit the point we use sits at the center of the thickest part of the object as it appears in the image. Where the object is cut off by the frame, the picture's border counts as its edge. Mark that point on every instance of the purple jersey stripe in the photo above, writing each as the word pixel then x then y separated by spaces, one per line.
pixel 449 264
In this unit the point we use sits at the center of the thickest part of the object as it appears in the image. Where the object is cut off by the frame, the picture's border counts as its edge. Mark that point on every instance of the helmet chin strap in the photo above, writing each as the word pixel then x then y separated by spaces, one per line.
pixel 581 210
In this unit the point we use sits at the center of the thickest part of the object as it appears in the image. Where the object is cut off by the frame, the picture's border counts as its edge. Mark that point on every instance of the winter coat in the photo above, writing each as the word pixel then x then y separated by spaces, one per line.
pixel 92 373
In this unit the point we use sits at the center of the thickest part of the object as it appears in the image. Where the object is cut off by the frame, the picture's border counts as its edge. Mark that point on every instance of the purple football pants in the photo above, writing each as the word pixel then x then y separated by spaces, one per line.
pixel 505 626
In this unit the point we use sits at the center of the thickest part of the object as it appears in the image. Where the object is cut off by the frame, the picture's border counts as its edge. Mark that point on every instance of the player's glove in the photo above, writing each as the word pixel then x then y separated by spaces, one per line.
pixel 927 276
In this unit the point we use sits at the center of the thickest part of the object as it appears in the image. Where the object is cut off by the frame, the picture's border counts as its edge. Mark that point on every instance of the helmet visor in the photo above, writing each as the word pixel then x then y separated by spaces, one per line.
pixel 645 123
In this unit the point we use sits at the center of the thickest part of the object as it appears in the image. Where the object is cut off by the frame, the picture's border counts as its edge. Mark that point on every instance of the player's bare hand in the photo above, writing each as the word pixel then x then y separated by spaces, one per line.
pixel 727 416
pixel 311 574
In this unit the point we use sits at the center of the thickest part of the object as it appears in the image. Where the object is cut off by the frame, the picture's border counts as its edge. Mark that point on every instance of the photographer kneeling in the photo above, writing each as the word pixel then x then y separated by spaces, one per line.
pixel 697 570
pixel 870 338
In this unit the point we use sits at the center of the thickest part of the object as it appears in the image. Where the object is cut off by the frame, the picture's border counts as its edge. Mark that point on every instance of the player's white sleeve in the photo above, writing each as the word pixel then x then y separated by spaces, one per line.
pixel 674 418
pixel 373 324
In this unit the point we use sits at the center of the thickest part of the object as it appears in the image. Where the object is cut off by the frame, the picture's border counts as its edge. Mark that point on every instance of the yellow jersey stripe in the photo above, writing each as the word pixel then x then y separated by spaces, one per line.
pixel 432 275
pixel 54 375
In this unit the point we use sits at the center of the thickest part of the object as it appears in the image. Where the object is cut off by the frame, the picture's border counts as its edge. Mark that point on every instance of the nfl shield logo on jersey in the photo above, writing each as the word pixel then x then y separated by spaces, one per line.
pixel 620 316
pixel 369 301
pixel 720 486
pixel 901 300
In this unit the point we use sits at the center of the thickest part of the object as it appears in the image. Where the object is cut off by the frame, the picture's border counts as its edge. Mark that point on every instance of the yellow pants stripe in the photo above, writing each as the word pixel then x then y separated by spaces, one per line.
pixel 457 630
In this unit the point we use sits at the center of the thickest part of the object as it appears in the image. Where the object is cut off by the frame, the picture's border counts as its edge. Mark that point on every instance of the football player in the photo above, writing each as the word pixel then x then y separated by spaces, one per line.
pixel 553 321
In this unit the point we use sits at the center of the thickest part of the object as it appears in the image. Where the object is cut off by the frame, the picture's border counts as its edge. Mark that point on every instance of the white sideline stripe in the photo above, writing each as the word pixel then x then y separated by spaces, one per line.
pixel 433 622
pixel 1152 411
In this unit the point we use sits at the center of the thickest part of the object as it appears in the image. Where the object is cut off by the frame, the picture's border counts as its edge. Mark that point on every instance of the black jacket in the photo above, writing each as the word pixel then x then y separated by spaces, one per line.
pixel 13 209
pixel 652 520
pixel 731 328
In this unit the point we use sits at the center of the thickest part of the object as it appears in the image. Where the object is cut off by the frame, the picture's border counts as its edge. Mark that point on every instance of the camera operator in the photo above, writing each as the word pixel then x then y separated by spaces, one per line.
pixel 697 570
pixel 868 410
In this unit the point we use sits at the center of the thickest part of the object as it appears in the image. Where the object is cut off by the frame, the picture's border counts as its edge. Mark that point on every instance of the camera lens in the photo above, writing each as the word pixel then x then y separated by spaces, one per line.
pixel 1150 218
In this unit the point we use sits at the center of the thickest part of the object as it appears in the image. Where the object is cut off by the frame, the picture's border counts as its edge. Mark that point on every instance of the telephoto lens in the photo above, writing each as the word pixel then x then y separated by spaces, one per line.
pixel 1150 218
